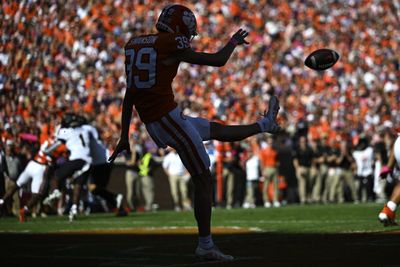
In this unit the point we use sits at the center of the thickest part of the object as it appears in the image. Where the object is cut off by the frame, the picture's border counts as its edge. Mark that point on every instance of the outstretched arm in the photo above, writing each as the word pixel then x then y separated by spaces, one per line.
pixel 218 59
pixel 123 143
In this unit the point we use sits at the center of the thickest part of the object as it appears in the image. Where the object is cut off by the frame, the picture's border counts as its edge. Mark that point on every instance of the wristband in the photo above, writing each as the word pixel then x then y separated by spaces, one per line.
pixel 385 170
pixel 233 41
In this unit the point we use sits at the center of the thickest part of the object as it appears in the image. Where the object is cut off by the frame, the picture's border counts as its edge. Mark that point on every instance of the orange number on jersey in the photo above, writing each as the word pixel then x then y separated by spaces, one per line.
pixel 149 66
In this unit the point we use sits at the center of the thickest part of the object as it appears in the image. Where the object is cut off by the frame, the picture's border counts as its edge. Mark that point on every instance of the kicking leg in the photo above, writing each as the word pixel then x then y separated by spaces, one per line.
pixel 179 133
pixel 231 133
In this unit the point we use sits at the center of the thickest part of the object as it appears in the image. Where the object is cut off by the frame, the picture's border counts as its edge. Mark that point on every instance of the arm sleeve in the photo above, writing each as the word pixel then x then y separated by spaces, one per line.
pixel 53 147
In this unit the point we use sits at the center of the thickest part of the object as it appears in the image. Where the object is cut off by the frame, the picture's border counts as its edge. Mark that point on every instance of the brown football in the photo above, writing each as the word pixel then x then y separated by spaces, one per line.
pixel 321 59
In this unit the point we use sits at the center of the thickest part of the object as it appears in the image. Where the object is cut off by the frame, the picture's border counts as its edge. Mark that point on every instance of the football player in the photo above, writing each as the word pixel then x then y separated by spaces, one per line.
pixel 100 170
pixel 151 63
pixel 387 216
pixel 35 171
pixel 76 140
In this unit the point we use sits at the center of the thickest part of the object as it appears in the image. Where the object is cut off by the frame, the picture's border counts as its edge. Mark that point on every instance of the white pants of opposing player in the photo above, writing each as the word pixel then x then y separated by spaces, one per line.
pixel 34 171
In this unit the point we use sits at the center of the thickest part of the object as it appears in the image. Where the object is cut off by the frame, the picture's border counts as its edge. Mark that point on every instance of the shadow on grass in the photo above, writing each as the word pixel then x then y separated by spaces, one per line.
pixel 254 249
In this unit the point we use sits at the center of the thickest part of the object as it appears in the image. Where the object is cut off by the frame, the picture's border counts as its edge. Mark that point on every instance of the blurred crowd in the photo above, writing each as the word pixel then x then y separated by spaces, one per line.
pixel 58 56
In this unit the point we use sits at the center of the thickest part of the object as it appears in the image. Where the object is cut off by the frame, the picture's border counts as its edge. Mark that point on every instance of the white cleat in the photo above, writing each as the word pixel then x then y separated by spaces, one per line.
pixel 277 204
pixel 268 124
pixel 212 254
pixel 73 213
pixel 118 199
pixel 56 194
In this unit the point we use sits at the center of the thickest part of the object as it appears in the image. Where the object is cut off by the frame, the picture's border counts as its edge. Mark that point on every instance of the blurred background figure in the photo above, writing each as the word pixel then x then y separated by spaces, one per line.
pixel 228 174
pixel 269 166
pixel 321 180
pixel 253 170
pixel 364 157
pixel 14 166
pixel 132 180
pixel 303 159
pixel 346 167
pixel 381 153
pixel 73 61
pixel 332 175
pixel 287 169
pixel 178 180
pixel 3 175
pixel 147 163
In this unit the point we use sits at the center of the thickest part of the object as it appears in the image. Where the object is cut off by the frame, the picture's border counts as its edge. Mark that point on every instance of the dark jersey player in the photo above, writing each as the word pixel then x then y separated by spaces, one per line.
pixel 151 64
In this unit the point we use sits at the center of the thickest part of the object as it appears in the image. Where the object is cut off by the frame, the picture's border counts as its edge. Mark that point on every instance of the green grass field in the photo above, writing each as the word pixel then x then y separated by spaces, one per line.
pixel 345 218
pixel 317 235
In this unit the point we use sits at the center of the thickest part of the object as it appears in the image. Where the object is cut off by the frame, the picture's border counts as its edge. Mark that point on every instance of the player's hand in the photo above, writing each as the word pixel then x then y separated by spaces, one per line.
pixel 385 170
pixel 123 145
pixel 239 37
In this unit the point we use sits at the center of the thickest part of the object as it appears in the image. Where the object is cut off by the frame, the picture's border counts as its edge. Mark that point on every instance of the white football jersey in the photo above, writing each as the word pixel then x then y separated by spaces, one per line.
pixel 77 142
pixel 98 151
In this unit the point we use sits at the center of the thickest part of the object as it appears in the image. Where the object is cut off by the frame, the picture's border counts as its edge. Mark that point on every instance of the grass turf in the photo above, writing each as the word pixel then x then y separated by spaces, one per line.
pixel 343 218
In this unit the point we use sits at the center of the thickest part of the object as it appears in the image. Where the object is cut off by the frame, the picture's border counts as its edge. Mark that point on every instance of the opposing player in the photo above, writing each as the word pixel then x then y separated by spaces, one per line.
pixel 387 216
pixel 100 170
pixel 35 171
pixel 77 167
pixel 151 64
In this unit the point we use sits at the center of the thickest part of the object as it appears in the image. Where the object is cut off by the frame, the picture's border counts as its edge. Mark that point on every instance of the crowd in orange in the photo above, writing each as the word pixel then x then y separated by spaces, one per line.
pixel 59 57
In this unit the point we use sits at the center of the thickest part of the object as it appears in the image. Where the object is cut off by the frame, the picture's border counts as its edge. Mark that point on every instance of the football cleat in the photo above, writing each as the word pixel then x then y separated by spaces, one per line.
pixel 268 123
pixel 212 254
pixel 73 212
pixel 387 216
pixel 56 194
pixel 118 201
pixel 23 213
pixel 277 204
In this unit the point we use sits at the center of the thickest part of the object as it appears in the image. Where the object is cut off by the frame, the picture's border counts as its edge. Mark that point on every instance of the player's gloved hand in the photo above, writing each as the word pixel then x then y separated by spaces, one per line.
pixel 385 170
pixel 123 145
pixel 239 37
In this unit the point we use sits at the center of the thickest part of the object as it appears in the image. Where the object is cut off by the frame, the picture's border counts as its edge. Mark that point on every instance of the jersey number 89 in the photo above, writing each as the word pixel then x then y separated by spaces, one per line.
pixel 133 58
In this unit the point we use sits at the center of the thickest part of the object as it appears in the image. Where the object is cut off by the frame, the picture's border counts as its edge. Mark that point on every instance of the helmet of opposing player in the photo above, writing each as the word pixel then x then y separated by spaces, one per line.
pixel 177 19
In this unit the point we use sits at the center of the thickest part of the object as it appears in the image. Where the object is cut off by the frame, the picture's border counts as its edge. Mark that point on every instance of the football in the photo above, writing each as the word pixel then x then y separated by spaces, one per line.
pixel 321 59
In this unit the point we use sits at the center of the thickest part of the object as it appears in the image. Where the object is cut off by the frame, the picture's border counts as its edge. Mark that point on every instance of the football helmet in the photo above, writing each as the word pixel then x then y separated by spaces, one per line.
pixel 177 19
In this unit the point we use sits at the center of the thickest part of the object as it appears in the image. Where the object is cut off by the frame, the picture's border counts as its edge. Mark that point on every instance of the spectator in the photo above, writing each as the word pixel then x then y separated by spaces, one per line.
pixel 302 162
pixel 3 175
pixel 287 169
pixel 178 180
pixel 132 177
pixel 228 175
pixel 333 178
pixel 253 170
pixel 70 57
pixel 320 191
pixel 146 166
pixel 269 165
pixel 14 166
pixel 346 172
pixel 364 157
